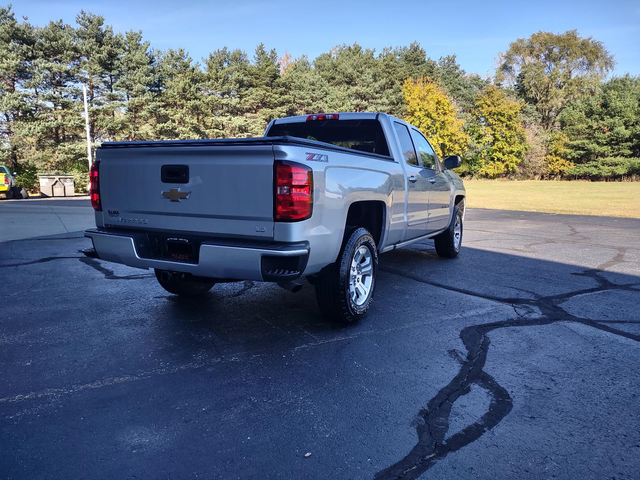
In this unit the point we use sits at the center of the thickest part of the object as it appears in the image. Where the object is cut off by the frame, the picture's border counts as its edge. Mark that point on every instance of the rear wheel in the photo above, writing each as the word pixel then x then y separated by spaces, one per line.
pixel 449 242
pixel 183 284
pixel 345 289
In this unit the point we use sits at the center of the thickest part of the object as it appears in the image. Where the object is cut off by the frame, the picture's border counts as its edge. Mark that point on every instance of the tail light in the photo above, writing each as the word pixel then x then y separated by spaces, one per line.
pixel 6 180
pixel 293 192
pixel 323 116
pixel 95 187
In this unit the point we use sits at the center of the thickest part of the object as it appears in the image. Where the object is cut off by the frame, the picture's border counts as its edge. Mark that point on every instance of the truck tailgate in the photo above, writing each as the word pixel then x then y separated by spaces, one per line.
pixel 209 188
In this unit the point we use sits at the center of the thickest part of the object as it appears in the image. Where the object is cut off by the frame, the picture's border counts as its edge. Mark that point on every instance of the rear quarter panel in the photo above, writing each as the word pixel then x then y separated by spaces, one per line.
pixel 339 182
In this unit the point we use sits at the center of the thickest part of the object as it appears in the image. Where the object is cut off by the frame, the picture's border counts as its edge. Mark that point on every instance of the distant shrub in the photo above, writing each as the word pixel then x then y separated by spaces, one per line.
pixel 81 181
pixel 27 176
pixel 612 168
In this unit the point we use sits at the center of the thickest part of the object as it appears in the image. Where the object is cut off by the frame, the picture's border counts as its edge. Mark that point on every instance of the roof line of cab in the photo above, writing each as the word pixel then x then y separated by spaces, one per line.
pixel 341 115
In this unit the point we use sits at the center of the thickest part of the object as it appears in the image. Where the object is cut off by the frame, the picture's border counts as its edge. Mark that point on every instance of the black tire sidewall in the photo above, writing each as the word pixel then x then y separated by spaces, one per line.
pixel 444 242
pixel 457 214
pixel 357 238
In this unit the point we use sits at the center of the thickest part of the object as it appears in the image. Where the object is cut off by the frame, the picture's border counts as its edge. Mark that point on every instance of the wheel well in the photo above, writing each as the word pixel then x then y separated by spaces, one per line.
pixel 370 215
pixel 459 200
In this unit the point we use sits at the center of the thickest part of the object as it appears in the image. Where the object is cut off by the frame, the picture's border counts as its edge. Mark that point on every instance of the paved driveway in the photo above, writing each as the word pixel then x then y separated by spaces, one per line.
pixel 518 359
pixel 35 217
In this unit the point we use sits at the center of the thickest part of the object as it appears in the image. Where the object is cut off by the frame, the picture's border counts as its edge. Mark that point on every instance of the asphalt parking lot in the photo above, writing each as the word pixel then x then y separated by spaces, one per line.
pixel 518 359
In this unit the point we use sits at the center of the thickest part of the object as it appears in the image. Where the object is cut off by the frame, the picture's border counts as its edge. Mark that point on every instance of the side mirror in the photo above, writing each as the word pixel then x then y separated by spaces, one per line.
pixel 452 161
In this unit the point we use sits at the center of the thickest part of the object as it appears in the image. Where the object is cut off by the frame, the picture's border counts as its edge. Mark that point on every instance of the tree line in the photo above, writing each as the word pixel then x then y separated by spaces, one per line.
pixel 550 111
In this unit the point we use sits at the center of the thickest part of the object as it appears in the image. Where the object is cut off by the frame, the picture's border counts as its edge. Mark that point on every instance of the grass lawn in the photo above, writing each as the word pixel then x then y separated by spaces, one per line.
pixel 613 199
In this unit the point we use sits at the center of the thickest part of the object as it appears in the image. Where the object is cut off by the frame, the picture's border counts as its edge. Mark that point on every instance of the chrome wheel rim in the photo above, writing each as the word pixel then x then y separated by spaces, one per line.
pixel 457 233
pixel 361 276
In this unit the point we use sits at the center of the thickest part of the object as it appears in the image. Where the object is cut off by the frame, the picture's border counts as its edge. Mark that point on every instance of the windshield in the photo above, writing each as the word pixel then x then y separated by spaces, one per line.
pixel 361 135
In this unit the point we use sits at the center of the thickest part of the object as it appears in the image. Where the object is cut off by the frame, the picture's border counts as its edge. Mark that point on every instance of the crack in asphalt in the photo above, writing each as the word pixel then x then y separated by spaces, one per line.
pixel 57 237
pixel 35 262
pixel 543 241
pixel 108 273
pixel 432 422
pixel 574 235
pixel 619 258
pixel 56 214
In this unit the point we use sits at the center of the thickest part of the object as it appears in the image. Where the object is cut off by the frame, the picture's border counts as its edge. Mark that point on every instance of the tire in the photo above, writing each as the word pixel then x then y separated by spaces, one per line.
pixel 20 192
pixel 9 194
pixel 449 242
pixel 344 291
pixel 183 284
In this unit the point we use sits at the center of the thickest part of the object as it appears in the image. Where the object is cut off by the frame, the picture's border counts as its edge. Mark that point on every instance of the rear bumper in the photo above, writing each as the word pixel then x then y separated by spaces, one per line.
pixel 218 259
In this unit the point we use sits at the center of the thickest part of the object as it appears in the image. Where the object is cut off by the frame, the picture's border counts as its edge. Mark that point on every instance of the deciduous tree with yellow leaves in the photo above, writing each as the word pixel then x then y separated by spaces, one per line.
pixel 431 110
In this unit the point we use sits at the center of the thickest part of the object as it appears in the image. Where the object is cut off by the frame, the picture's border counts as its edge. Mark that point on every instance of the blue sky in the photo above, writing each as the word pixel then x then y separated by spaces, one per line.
pixel 475 31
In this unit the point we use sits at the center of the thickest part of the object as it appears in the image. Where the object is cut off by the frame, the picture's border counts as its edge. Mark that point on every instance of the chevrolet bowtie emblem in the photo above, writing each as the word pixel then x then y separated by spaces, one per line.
pixel 175 195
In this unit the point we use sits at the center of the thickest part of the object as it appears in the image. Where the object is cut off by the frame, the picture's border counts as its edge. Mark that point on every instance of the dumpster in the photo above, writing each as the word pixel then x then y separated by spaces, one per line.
pixel 57 185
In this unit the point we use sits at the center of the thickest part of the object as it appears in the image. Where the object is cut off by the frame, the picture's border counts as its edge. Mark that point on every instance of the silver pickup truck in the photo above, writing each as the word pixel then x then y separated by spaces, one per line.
pixel 318 196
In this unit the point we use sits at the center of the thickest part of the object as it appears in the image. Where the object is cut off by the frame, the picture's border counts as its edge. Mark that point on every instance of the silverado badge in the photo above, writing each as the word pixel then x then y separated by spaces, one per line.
pixel 175 195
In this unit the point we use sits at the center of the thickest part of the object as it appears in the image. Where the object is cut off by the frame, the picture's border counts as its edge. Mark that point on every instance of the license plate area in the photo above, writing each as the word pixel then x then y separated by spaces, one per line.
pixel 176 249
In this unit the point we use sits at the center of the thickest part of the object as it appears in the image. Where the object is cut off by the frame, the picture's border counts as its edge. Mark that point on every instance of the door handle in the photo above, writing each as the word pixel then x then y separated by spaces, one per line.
pixel 412 179
pixel 432 180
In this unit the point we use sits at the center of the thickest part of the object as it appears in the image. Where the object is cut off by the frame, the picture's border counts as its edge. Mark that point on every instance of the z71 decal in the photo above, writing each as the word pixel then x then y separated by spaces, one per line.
pixel 317 157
